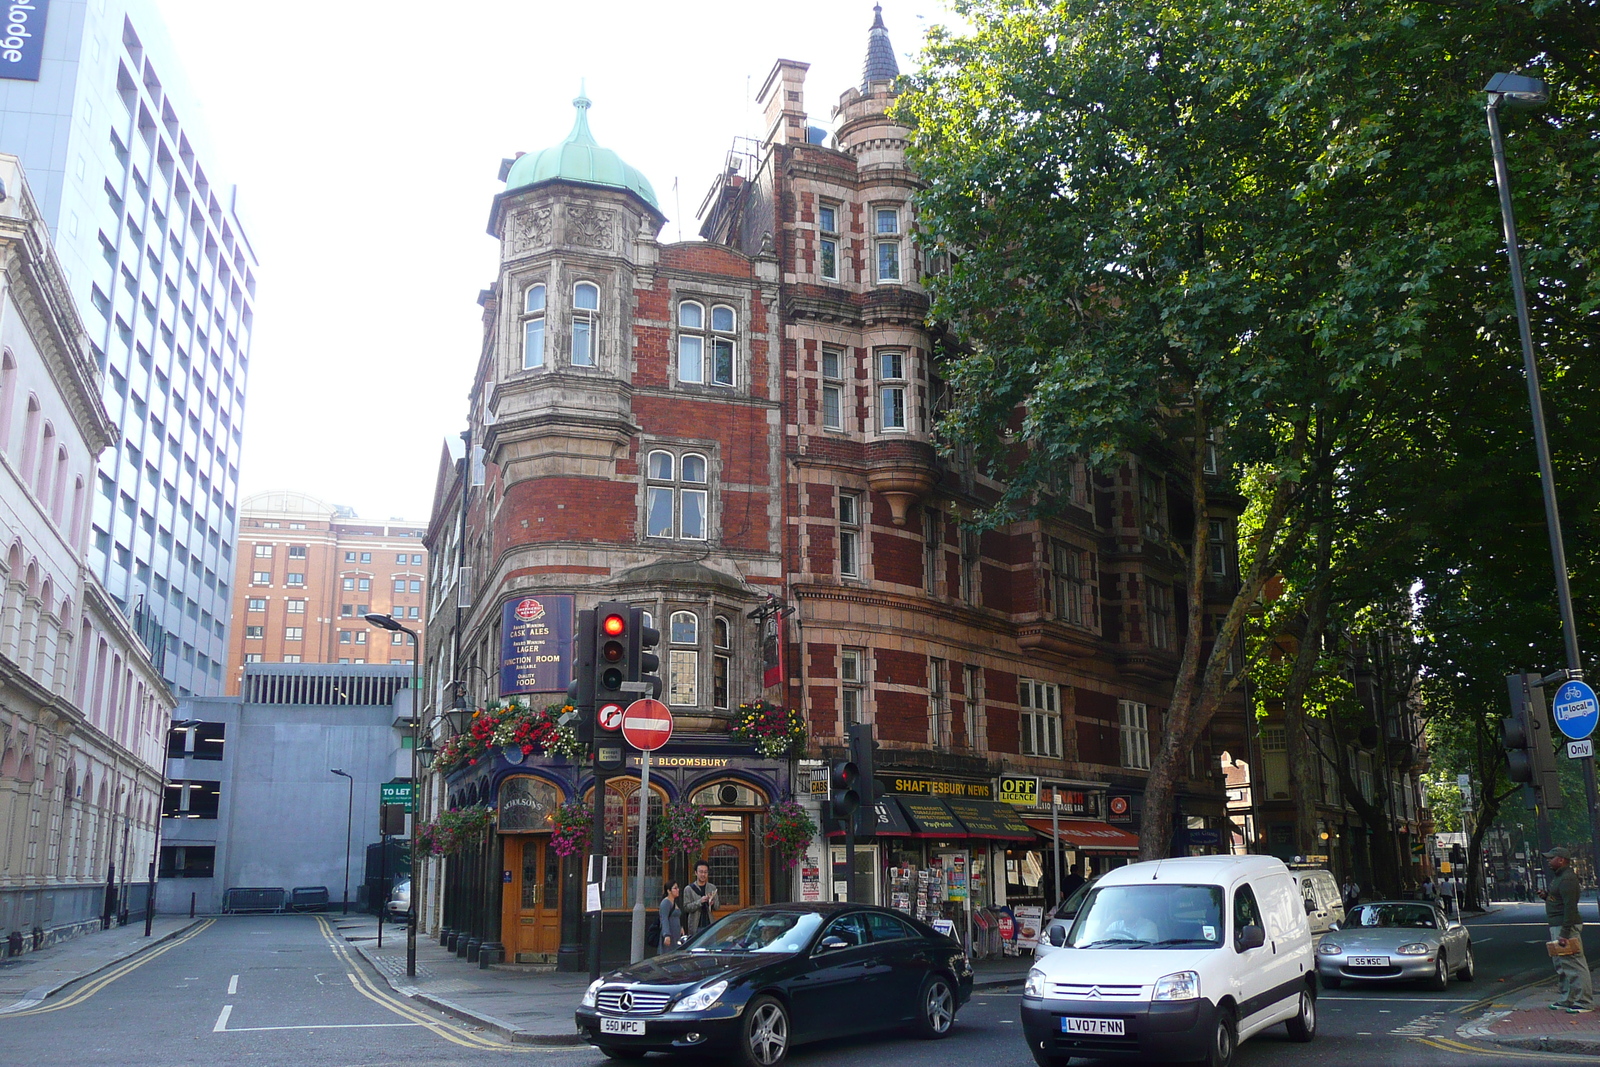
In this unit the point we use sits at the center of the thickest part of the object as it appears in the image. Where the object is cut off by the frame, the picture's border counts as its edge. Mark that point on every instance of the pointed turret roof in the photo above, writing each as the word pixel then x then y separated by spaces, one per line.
pixel 880 64
pixel 580 158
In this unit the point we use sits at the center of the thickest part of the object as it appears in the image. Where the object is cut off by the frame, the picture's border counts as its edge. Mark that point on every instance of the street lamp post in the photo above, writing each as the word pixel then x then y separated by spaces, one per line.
pixel 1518 91
pixel 349 821
pixel 387 622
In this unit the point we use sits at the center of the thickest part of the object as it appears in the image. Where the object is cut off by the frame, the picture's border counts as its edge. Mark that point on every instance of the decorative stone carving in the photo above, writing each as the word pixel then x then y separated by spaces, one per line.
pixel 589 226
pixel 531 229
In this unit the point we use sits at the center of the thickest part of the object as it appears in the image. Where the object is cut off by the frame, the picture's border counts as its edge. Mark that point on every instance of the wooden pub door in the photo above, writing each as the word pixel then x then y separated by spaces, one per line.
pixel 531 907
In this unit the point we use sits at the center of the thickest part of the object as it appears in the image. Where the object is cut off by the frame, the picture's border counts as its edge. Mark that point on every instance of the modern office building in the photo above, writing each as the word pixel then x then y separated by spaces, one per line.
pixel 82 710
pixel 309 571
pixel 163 277
pixel 255 800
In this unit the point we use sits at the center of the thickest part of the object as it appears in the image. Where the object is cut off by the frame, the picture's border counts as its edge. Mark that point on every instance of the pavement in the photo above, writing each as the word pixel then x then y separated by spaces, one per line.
pixel 1521 1018
pixel 29 979
pixel 520 1003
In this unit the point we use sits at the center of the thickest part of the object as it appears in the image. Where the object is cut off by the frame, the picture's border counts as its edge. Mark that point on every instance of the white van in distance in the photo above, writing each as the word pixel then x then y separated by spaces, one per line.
pixel 1176 960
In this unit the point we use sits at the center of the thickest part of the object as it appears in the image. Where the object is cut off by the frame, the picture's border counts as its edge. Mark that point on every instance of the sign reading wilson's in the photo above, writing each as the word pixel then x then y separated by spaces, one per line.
pixel 536 644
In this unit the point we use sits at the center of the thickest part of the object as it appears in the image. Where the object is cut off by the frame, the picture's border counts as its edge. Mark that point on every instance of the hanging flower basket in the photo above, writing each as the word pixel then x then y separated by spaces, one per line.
pixel 776 733
pixel 789 831
pixel 456 830
pixel 468 748
pixel 519 731
pixel 570 827
pixel 682 828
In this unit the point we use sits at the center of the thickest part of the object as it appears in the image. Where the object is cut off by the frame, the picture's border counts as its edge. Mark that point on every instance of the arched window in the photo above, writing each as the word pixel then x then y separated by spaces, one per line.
pixel 585 324
pixel 706 355
pixel 533 327
pixel 30 439
pixel 622 822
pixel 58 493
pixel 47 453
pixel 721 662
pixel 8 397
pixel 75 531
pixel 676 507
pixel 728 795
pixel 719 632
pixel 683 663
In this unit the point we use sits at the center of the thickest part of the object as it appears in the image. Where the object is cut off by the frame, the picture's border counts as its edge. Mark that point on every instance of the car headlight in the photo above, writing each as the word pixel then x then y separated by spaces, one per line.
pixel 1416 948
pixel 1328 948
pixel 591 993
pixel 1034 986
pixel 701 998
pixel 1185 985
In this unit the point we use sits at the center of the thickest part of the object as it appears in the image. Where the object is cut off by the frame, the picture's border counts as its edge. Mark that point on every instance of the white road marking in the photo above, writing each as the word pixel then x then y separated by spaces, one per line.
pixel 320 1026
pixel 222 1020
pixel 233 985
pixel 1363 1033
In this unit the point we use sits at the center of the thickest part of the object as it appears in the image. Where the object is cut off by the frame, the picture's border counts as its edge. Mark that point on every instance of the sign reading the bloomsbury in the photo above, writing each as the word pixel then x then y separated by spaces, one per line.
pixel 536 644
pixel 22 44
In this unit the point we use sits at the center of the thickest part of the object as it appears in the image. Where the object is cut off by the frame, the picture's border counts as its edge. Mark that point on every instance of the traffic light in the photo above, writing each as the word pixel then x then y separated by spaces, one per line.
pixel 844 780
pixel 614 662
pixel 863 753
pixel 644 665
pixel 1525 735
pixel 580 691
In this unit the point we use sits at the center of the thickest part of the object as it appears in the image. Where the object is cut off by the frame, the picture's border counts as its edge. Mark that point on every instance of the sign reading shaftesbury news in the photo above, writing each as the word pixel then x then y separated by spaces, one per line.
pixel 536 644
pixel 22 43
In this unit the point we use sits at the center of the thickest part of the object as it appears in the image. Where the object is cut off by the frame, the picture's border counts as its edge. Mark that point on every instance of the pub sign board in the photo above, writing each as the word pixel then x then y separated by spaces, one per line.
pixel 536 644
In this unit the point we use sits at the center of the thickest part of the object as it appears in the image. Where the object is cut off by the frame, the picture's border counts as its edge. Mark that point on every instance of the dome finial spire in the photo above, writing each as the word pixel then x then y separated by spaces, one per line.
pixel 881 64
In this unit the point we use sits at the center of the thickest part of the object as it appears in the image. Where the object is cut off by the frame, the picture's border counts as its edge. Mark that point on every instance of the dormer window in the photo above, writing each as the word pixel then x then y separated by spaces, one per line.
pixel 706 354
pixel 533 327
pixel 585 324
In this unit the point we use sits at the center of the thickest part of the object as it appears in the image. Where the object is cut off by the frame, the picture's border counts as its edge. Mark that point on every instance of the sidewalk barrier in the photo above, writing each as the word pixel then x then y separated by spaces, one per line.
pixel 241 898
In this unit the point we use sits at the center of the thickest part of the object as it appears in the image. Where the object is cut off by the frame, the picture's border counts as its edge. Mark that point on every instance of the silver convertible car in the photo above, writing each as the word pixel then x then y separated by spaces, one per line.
pixel 1395 941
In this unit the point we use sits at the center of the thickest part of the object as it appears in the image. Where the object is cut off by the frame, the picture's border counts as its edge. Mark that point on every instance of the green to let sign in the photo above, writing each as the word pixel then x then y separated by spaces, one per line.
pixel 395 793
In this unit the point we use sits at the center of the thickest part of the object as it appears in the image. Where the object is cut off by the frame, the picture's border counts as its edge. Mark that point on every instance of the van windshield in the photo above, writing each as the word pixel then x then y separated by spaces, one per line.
pixel 1150 916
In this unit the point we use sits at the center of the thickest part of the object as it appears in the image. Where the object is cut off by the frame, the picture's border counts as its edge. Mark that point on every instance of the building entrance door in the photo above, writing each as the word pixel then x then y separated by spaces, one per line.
pixel 531 917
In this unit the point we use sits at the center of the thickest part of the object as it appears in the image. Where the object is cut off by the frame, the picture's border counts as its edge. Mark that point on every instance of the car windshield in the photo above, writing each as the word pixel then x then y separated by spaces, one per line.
pixel 1410 915
pixel 759 931
pixel 1149 916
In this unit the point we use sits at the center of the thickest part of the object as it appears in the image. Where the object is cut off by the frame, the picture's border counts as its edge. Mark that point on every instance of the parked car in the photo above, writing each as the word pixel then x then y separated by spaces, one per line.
pixel 1054 934
pixel 1323 902
pixel 1396 941
pixel 760 981
pixel 1176 959
pixel 399 906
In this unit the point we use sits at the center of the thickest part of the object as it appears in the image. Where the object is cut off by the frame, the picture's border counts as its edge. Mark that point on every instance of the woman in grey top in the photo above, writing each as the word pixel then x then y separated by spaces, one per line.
pixel 671 918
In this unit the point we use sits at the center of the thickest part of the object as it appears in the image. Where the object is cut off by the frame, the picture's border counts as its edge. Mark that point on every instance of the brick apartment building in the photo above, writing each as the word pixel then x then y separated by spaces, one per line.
pixel 717 429
pixel 307 573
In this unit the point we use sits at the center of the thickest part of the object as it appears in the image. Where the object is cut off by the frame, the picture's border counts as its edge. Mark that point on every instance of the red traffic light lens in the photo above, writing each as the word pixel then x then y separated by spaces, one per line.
pixel 614 625
pixel 612 651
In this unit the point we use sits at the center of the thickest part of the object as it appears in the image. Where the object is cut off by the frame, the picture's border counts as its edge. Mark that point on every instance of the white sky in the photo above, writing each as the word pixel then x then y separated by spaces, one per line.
pixel 365 139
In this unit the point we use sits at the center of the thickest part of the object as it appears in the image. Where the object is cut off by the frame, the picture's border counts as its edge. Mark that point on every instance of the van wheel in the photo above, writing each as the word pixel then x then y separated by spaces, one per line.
pixel 1331 981
pixel 1045 1059
pixel 1468 968
pixel 1441 975
pixel 1224 1039
pixel 1303 1027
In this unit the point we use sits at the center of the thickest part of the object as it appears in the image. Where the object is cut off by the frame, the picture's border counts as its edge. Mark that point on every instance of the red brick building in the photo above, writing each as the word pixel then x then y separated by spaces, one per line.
pixel 712 429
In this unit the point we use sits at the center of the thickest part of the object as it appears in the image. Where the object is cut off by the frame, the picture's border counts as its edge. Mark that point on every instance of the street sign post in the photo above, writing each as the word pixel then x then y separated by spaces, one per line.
pixel 1575 709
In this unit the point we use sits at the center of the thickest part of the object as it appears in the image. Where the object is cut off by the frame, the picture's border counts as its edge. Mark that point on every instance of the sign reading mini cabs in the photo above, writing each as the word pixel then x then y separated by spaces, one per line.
pixel 22 39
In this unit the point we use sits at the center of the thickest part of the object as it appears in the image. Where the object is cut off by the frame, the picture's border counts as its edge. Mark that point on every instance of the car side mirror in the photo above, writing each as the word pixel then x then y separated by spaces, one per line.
pixel 832 944
pixel 1334 925
pixel 1057 936
pixel 1252 937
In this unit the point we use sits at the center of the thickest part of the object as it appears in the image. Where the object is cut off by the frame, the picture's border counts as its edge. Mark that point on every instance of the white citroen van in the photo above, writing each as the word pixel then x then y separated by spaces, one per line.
pixel 1177 960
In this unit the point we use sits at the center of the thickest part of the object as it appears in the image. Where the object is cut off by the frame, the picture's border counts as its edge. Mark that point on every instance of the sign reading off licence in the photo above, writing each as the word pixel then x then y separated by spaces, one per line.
pixel 1576 710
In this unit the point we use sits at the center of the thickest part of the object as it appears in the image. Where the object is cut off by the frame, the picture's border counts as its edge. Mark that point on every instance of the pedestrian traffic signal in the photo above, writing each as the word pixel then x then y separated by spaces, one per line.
pixel 1525 735
pixel 844 780
pixel 645 665
pixel 614 666
pixel 864 753
pixel 580 690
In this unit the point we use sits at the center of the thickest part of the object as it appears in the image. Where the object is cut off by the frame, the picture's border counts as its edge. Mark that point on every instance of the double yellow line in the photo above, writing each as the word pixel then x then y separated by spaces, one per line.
pixel 373 992
pixel 1499 1052
pixel 99 982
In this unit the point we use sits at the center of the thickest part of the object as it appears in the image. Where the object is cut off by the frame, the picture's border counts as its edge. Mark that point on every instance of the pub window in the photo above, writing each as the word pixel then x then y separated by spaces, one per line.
pixel 721 662
pixel 526 804
pixel 683 672
pixel 622 855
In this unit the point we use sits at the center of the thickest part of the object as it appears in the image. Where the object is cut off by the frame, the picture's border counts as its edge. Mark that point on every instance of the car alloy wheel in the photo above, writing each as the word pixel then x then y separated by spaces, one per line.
pixel 938 1007
pixel 1441 975
pixel 766 1033
pixel 1468 967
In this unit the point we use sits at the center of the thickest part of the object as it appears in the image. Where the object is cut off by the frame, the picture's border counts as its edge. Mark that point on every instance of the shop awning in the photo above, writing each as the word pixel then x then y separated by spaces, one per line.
pixel 892 821
pixel 930 818
pixel 990 820
pixel 1089 834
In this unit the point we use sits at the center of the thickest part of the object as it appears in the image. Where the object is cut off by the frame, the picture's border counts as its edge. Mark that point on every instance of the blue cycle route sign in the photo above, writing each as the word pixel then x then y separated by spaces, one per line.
pixel 1576 710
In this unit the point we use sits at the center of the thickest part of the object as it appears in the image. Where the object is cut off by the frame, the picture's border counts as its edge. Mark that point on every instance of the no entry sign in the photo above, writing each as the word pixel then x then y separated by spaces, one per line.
pixel 647 724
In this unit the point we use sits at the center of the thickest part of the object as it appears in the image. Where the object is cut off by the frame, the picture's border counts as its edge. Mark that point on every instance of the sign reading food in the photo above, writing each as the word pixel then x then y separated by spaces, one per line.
pixel 536 644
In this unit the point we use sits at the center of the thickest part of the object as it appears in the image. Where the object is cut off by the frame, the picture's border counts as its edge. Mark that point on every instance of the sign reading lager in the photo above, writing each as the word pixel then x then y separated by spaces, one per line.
pixel 1020 789
pixel 395 793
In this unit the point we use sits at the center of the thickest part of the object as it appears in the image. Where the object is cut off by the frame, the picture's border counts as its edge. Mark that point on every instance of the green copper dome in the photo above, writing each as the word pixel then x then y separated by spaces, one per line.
pixel 579 159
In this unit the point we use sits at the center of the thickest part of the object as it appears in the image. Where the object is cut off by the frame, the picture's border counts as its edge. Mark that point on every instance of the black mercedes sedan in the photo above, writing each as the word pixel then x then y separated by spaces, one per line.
pixel 763 980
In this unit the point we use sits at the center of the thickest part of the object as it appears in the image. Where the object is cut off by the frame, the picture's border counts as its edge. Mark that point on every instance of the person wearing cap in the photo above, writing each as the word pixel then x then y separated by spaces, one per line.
pixel 1561 912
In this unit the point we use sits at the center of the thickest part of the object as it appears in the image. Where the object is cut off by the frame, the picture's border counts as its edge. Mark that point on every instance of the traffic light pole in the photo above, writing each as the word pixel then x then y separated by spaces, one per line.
pixel 595 882
pixel 1547 478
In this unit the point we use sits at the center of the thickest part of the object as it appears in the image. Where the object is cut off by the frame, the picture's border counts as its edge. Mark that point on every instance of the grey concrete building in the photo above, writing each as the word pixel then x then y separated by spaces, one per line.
pixel 251 799
pixel 163 276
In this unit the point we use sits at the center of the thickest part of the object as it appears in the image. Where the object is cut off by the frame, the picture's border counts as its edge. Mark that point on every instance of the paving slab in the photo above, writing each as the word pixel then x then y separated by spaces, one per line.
pixel 29 979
